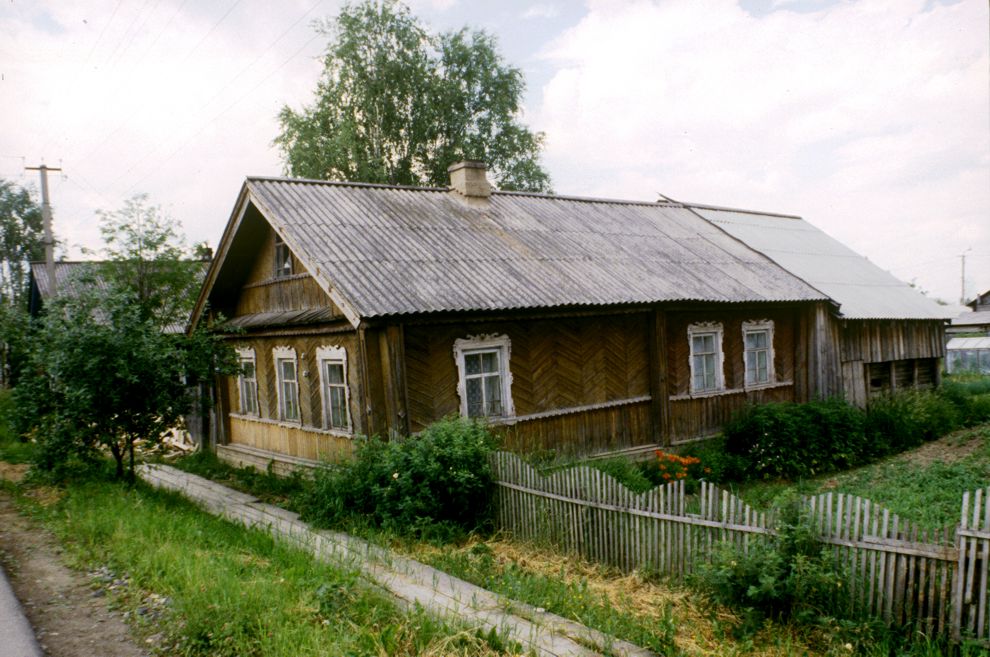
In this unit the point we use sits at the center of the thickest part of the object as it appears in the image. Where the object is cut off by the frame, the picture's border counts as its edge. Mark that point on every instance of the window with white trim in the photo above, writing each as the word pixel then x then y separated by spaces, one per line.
pixel 333 385
pixel 484 380
pixel 758 352
pixel 247 382
pixel 283 258
pixel 705 342
pixel 287 383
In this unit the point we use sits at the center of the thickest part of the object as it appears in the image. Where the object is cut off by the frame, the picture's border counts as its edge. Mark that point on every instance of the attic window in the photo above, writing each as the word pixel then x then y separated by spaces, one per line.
pixel 283 259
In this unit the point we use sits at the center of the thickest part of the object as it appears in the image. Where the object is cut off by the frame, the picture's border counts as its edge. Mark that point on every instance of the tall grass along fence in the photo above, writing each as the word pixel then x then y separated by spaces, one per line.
pixel 935 580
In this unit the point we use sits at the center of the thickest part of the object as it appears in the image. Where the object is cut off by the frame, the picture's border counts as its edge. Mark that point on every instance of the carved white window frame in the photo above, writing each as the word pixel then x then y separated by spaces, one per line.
pixel 336 355
pixel 757 326
pixel 700 329
pixel 280 354
pixel 246 354
pixel 479 343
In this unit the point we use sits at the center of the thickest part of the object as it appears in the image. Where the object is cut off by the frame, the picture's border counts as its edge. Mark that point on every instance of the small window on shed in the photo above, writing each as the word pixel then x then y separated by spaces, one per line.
pixel 283 258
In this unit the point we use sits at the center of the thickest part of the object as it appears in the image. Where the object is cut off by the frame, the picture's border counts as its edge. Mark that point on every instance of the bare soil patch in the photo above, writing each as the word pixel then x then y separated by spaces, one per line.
pixel 70 617
pixel 14 472
pixel 948 449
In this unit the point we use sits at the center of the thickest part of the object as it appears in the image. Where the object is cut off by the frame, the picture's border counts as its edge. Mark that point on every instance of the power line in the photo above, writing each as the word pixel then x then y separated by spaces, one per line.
pixel 221 113
pixel 102 32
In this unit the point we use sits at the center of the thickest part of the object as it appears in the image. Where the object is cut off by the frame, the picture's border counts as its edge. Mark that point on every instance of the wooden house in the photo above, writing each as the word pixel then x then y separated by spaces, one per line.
pixel 573 324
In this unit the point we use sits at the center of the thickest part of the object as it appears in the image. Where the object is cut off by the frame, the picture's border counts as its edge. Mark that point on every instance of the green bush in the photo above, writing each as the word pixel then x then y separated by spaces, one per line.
pixel 908 419
pixel 437 482
pixel 788 440
pixel 787 576
pixel 718 464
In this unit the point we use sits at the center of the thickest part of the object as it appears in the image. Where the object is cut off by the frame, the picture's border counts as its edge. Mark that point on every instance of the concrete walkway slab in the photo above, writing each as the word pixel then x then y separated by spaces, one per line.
pixel 411 582
pixel 16 635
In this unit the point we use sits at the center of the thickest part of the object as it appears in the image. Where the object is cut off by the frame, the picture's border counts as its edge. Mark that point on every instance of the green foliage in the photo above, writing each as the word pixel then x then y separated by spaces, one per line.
pixel 568 597
pixel 718 463
pixel 786 576
pixel 147 257
pixel 398 105
pixel 21 241
pixel 103 374
pixel 908 419
pixel 789 440
pixel 107 366
pixel 434 483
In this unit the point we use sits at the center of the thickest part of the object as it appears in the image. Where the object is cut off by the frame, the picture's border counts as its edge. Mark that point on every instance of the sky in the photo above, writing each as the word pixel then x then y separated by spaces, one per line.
pixel 869 119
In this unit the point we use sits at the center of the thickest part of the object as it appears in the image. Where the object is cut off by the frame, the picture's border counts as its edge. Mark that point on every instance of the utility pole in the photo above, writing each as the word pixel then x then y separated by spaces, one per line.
pixel 46 217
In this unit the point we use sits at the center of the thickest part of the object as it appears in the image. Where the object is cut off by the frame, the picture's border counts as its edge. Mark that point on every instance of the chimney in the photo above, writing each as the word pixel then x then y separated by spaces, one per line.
pixel 468 179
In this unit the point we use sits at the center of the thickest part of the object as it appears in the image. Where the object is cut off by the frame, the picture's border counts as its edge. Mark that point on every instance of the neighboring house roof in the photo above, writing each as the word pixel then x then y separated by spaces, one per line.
pixel 66 276
pixel 980 301
pixel 968 343
pixel 978 318
pixel 382 250
pixel 862 290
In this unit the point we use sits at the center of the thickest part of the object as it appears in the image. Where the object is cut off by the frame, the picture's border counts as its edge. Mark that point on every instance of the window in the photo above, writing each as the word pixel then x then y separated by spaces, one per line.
pixel 287 383
pixel 283 259
pixel 758 352
pixel 484 379
pixel 333 384
pixel 706 356
pixel 247 382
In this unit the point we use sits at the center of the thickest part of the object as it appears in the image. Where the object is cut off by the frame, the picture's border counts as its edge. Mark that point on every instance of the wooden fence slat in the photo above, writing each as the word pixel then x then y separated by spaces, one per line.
pixel 933 580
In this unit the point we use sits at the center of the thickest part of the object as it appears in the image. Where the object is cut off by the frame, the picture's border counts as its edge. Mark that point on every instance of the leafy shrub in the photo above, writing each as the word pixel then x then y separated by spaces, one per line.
pixel 717 463
pixel 789 440
pixel 908 419
pixel 630 474
pixel 437 482
pixel 789 575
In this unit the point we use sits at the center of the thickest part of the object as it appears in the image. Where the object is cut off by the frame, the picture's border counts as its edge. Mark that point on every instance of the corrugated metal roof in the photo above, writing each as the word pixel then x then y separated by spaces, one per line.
pixel 67 276
pixel 285 318
pixel 391 250
pixel 975 318
pixel 968 343
pixel 862 290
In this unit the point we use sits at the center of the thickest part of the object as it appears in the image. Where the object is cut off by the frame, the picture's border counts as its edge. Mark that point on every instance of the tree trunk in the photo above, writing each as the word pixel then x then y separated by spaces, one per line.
pixel 118 456
pixel 130 449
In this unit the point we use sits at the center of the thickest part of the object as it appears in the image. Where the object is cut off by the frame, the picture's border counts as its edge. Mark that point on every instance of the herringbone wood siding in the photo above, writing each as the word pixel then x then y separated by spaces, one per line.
pixel 556 364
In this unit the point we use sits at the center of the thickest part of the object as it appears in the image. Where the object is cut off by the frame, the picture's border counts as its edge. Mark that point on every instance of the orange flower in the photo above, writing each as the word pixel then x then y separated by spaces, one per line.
pixel 666 475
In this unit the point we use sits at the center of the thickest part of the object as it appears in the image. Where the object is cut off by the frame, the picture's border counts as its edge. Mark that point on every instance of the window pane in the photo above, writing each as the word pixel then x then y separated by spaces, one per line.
pixel 472 363
pixel 489 362
pixel 288 370
pixel 335 373
pixel 750 367
pixel 291 402
pixel 493 395
pixel 338 410
pixel 709 341
pixel 475 398
pixel 247 367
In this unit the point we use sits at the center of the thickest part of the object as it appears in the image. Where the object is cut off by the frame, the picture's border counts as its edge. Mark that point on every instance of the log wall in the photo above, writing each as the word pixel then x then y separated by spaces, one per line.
pixel 282 438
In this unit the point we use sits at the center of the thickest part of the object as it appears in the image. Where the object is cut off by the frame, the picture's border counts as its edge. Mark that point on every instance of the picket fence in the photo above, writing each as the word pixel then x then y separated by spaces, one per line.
pixel 933 580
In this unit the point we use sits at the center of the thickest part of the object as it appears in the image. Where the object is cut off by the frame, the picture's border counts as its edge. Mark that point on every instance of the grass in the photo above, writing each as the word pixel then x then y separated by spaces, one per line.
pixel 924 485
pixel 232 591
pixel 266 486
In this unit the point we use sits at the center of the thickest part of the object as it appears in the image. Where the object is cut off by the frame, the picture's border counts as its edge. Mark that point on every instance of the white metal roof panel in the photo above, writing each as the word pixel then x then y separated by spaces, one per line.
pixel 968 343
pixel 862 289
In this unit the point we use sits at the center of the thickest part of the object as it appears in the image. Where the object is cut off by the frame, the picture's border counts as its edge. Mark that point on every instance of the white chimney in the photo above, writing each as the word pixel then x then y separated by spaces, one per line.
pixel 469 180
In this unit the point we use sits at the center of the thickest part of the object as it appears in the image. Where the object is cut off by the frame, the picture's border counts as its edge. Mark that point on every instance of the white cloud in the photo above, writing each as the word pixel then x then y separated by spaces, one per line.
pixel 870 119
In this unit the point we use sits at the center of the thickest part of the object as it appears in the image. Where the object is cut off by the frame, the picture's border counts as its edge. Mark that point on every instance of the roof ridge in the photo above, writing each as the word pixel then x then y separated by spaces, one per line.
pixel 344 183
pixel 722 208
